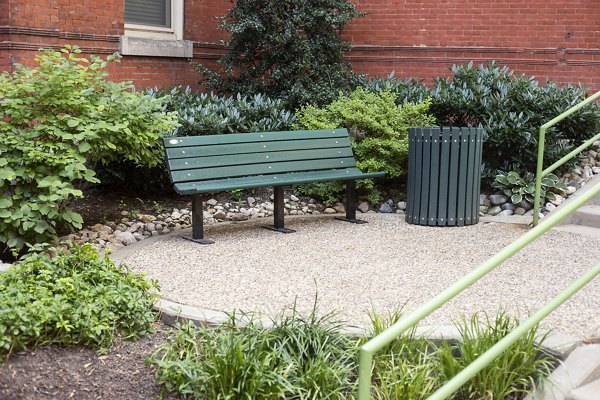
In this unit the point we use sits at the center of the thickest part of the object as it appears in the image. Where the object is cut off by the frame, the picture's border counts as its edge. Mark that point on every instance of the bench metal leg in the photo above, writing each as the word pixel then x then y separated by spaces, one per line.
pixel 278 212
pixel 351 204
pixel 198 222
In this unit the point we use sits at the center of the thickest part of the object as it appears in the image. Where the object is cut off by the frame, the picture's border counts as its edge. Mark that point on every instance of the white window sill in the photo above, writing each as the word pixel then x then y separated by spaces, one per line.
pixel 155 46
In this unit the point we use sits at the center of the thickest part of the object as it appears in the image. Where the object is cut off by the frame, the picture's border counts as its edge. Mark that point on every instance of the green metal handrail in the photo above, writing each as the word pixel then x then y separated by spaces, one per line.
pixel 539 175
pixel 367 351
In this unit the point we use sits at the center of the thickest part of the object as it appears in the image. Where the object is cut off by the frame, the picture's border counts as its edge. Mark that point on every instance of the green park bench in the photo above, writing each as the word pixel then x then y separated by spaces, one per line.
pixel 216 163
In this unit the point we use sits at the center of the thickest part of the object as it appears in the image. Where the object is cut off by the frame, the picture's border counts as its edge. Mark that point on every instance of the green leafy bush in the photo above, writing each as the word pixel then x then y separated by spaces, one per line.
pixel 511 108
pixel 406 90
pixel 290 50
pixel 523 188
pixel 57 121
pixel 378 128
pixel 210 114
pixel 75 297
pixel 299 358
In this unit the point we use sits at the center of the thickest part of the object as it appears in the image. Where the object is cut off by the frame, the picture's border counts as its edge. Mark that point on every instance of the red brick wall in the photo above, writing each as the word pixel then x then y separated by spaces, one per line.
pixel 559 39
pixel 422 39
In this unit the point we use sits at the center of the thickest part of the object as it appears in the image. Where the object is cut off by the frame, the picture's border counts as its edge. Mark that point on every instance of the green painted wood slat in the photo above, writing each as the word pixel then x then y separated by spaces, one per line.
pixel 418 174
pixel 434 183
pixel 292 178
pixel 260 147
pixel 410 204
pixel 444 176
pixel 259 169
pixel 423 209
pixel 246 138
pixel 255 158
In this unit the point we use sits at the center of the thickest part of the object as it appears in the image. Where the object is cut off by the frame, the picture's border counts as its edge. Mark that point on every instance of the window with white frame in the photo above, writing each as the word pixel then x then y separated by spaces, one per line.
pixel 154 19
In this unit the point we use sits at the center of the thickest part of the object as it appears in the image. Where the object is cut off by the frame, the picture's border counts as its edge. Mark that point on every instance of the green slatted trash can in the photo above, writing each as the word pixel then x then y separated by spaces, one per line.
pixel 444 176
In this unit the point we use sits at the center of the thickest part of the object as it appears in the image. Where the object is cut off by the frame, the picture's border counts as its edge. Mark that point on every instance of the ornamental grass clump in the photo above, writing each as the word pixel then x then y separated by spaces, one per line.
pixel 299 358
pixel 309 358
pixel 73 297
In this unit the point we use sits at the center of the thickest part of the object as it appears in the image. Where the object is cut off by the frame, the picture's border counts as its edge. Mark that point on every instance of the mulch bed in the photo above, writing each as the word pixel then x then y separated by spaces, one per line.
pixel 75 372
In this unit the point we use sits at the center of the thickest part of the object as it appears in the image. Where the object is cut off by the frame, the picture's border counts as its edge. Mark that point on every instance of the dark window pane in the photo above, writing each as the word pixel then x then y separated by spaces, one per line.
pixel 148 12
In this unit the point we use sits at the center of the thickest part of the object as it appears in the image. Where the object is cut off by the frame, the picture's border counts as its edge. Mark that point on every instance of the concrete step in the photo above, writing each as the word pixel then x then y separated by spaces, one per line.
pixel 588 215
pixel 581 368
pixel 579 229
pixel 591 391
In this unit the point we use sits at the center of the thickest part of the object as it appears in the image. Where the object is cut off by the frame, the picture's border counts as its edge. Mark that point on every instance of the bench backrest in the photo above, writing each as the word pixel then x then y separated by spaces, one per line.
pixel 198 158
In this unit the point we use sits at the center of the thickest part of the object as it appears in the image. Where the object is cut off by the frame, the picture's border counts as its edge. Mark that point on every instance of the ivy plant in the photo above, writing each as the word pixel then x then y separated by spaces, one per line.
pixel 57 121
pixel 291 50
pixel 73 297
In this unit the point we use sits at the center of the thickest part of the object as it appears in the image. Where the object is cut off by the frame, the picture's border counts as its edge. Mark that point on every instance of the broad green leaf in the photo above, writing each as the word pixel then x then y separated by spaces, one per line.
pixel 72 123
pixel 5 202
pixel 516 198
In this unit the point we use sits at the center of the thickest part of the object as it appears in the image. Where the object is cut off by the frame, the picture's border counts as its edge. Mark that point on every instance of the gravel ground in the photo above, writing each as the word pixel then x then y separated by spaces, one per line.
pixel 382 265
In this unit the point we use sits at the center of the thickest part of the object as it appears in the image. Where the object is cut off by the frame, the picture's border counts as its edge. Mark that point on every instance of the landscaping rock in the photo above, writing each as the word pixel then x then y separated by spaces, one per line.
pixel 508 206
pixel 294 198
pixel 495 210
pixel 212 202
pixel 239 217
pixel 219 215
pixel 401 205
pixel 101 228
pixel 250 200
pixel 519 211
pixel 550 207
pixel 524 204
pixel 505 213
pixel 363 207
pixel 329 210
pixel 339 207
pixel 498 199
pixel 124 237
pixel 557 200
pixel 385 208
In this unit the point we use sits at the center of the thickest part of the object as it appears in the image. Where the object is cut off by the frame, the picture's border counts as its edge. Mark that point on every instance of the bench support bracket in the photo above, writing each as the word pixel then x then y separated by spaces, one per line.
pixel 278 212
pixel 351 204
pixel 198 222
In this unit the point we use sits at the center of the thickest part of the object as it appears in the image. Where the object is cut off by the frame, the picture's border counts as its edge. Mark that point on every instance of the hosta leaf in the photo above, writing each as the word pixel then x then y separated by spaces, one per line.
pixel 516 198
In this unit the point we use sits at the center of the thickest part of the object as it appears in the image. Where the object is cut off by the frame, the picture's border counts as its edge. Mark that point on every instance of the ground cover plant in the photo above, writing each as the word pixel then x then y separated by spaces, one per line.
pixel 73 297
pixel 308 358
pixel 58 120
pixel 291 50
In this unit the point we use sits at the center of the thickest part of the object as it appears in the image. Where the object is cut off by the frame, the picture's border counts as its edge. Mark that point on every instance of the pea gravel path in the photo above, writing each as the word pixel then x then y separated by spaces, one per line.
pixel 381 265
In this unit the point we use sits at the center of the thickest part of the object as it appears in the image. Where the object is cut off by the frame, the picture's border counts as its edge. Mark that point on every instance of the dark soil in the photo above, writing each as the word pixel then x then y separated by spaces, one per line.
pixel 75 372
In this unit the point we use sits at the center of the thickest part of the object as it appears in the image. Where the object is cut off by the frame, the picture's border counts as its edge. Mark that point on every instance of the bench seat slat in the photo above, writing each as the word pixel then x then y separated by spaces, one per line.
pixel 245 138
pixel 293 178
pixel 245 148
pixel 249 159
pixel 260 169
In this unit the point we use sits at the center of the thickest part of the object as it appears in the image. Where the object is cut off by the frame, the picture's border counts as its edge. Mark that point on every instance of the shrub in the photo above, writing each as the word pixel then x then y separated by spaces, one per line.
pixel 57 121
pixel 299 358
pixel 75 297
pixel 406 90
pixel 286 49
pixel 378 127
pixel 519 189
pixel 511 109
pixel 210 114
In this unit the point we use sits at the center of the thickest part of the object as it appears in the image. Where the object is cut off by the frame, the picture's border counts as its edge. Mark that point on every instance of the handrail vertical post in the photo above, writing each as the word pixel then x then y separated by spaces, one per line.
pixel 538 176
pixel 365 362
